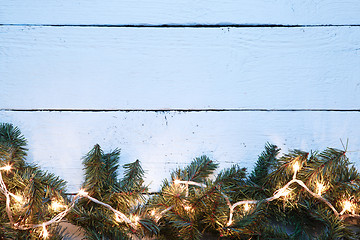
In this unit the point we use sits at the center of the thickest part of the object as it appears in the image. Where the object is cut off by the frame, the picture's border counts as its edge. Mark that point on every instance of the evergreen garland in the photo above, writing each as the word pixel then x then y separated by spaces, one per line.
pixel 301 195
pixel 297 215
pixel 126 195
pixel 36 189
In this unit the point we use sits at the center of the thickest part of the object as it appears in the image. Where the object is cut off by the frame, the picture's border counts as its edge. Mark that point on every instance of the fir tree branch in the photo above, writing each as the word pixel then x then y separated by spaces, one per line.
pixel 265 161
pixel 133 178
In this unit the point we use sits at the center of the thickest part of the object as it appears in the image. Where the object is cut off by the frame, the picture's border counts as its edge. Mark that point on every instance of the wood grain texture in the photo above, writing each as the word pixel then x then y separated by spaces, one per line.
pixel 177 68
pixel 187 12
pixel 165 141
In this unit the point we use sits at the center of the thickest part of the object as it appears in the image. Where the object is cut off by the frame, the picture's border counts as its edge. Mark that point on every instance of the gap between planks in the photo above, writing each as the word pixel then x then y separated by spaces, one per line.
pixel 181 110
pixel 183 25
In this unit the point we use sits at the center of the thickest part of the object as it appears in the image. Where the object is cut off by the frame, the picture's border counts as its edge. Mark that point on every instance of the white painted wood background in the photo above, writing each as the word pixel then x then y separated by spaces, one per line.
pixel 167 81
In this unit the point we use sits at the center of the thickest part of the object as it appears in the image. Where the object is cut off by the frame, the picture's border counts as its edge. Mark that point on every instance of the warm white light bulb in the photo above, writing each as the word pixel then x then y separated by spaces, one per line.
pixel 320 188
pixel 153 212
pixel 56 206
pixel 117 218
pixel 187 208
pixel 347 206
pixel 285 193
pixel 246 207
pixel 296 167
pixel 177 181
pixel 18 198
pixel 6 168
pixel 136 219
pixel 82 193
pixel 45 233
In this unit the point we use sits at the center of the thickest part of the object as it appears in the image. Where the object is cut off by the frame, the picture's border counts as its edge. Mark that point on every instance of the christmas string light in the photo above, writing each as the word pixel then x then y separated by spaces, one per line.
pixel 6 168
pixel 18 198
pixel 282 192
pixel 347 206
pixel 296 168
pixel 44 233
pixel 187 208
pixel 246 207
pixel 320 188
pixel 56 206
pixel 153 213
pixel 166 210
pixel 133 221
pixel 157 217
pixel 187 183
pixel 82 193
pixel 118 213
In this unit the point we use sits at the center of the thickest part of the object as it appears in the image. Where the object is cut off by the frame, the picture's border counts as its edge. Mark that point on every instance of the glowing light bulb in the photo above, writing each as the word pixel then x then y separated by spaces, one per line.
pixel 18 198
pixel 82 193
pixel 177 181
pixel 296 167
pixel 117 218
pixel 136 219
pixel 285 193
pixel 187 208
pixel 44 233
pixel 153 212
pixel 347 206
pixel 320 188
pixel 6 168
pixel 246 207
pixel 56 206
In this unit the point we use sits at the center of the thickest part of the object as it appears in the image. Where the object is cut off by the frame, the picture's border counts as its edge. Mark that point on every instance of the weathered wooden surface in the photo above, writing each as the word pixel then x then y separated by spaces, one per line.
pixel 177 68
pixel 98 55
pixel 186 12
pixel 163 141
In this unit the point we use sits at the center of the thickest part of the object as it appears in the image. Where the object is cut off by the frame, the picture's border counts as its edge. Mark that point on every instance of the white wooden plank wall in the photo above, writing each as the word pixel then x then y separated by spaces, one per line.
pixel 168 81
pixel 189 12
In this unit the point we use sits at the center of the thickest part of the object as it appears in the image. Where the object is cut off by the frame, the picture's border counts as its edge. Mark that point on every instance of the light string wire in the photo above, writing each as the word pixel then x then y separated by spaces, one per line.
pixel 277 194
pixel 81 194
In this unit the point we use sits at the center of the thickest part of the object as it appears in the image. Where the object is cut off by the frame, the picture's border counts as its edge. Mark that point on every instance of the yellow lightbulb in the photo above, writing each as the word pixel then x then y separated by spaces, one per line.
pixel 117 218
pixel 246 207
pixel 296 167
pixel 136 219
pixel 18 198
pixel 82 193
pixel 285 193
pixel 56 206
pixel 320 188
pixel 347 206
pixel 45 233
pixel 6 168
pixel 187 208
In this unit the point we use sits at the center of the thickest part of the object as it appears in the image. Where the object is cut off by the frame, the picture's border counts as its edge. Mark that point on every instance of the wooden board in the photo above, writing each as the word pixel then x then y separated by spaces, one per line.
pixel 177 68
pixel 187 12
pixel 165 141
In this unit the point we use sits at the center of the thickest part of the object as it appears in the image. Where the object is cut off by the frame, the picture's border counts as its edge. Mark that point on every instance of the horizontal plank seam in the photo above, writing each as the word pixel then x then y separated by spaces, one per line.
pixel 184 110
pixel 183 25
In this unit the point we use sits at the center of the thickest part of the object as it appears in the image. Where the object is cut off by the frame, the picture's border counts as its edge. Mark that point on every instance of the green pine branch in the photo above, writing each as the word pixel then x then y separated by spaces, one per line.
pixel 37 188
pixel 12 146
pixel 264 163
pixel 199 169
pixel 133 177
